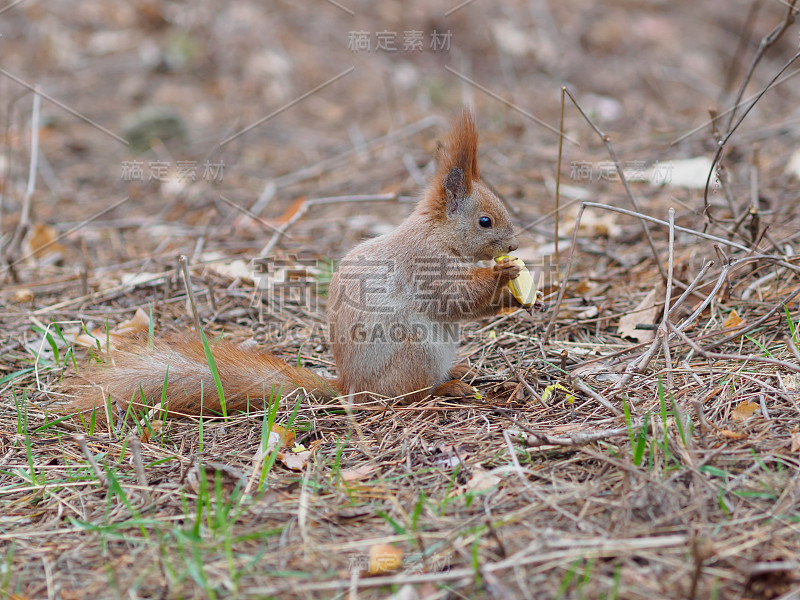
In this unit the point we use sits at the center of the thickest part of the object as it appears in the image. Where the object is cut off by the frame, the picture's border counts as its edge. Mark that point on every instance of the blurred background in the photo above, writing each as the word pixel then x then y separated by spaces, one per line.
pixel 177 104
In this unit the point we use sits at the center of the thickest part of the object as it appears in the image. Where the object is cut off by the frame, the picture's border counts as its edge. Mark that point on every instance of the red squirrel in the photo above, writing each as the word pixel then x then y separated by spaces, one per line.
pixel 394 307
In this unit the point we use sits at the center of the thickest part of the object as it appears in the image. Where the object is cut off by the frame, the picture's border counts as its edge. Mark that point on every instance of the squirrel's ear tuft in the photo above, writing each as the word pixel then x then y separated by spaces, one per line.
pixel 461 149
pixel 457 164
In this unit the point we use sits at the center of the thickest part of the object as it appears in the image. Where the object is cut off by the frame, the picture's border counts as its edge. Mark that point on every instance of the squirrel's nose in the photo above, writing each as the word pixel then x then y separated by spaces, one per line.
pixel 513 244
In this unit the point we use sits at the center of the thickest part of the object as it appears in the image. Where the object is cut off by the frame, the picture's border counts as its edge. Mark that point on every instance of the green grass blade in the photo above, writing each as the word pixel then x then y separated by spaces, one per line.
pixel 212 365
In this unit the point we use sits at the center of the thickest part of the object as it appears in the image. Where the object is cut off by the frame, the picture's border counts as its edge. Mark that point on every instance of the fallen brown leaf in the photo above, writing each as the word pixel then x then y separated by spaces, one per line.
pixel 296 461
pixel 40 242
pixel 155 427
pixel 358 473
pixel 140 322
pixel 733 320
pixel 87 341
pixel 732 435
pixel 645 312
pixel 795 440
pixel 287 436
pixel 22 296
pixel 744 410
pixel 482 480
pixel 384 558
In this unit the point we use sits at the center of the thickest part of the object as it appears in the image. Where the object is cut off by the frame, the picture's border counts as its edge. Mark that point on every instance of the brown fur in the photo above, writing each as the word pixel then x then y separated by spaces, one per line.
pixel 454 388
pixel 393 310
pixel 460 150
pixel 139 369
pixel 422 277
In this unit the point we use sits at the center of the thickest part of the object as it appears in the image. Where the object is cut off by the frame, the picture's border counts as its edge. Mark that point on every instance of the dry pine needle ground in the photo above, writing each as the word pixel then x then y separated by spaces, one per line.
pixel 618 451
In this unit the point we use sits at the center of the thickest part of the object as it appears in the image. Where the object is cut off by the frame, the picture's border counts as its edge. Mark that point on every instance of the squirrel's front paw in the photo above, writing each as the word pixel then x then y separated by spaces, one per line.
pixel 506 269
pixel 456 388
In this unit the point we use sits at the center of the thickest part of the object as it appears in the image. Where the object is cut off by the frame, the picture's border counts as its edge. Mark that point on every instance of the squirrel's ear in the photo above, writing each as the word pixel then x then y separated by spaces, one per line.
pixel 461 149
pixel 457 167
pixel 454 186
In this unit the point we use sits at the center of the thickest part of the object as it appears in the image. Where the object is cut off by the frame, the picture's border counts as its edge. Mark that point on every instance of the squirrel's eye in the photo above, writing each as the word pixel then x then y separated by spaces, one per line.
pixel 485 222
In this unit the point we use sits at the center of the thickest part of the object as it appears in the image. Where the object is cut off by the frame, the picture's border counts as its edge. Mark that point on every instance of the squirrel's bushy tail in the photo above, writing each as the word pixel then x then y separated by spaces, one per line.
pixel 139 369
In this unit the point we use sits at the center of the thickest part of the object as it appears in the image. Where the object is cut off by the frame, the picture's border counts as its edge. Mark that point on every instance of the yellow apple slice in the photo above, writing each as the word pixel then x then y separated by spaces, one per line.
pixel 523 286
